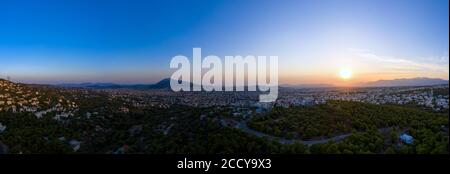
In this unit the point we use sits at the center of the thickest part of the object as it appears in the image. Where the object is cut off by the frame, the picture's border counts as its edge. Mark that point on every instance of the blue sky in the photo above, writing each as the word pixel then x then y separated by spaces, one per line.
pixel 134 41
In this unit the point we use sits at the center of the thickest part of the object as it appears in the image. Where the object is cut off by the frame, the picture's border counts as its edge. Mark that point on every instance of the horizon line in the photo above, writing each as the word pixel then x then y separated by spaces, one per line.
pixel 310 85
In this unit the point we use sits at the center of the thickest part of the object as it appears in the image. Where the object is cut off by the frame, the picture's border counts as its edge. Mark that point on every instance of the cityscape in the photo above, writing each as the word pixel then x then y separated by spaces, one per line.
pixel 121 121
pixel 106 77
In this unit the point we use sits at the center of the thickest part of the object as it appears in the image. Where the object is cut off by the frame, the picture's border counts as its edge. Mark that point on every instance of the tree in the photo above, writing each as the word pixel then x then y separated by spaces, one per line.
pixel 389 150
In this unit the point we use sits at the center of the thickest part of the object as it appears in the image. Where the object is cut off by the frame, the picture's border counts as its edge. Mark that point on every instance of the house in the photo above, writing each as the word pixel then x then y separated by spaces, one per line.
pixel 407 139
pixel 2 128
pixel 75 145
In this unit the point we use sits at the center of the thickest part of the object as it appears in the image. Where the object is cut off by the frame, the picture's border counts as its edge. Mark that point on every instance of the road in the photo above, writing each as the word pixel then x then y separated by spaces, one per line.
pixel 243 126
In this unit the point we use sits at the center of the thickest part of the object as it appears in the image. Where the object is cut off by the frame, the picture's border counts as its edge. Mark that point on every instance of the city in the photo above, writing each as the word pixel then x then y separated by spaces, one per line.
pixel 238 112
pixel 224 85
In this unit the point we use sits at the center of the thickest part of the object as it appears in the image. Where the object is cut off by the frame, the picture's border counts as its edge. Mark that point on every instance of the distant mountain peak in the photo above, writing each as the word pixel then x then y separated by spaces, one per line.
pixel 162 84
pixel 417 81
pixel 319 85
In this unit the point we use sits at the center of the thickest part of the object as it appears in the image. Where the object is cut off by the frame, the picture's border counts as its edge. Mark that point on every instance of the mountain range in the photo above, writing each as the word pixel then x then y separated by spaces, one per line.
pixel 165 84
pixel 419 81
pixel 162 84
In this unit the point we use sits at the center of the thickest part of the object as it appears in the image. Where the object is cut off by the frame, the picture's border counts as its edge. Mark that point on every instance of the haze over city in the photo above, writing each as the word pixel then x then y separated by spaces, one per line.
pixel 325 42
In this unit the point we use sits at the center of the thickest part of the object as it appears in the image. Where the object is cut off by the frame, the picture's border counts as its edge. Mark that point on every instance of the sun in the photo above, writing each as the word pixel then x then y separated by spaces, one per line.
pixel 345 73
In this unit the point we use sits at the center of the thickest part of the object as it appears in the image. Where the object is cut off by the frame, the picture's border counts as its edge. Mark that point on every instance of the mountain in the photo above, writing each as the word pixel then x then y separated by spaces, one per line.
pixel 90 85
pixel 163 84
pixel 419 81
pixel 307 86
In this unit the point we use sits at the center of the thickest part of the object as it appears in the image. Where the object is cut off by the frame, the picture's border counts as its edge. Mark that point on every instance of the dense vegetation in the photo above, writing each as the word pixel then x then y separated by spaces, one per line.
pixel 375 128
pixel 101 126
pixel 339 117
pixel 162 131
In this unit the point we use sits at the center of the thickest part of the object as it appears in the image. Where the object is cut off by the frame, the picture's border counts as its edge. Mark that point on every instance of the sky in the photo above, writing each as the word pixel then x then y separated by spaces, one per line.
pixel 75 41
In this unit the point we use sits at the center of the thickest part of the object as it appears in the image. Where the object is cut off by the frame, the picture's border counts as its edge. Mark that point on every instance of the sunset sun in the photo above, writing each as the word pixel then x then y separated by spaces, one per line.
pixel 345 73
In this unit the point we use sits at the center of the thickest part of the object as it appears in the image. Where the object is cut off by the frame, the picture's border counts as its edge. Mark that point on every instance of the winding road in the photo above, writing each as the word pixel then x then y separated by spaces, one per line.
pixel 243 126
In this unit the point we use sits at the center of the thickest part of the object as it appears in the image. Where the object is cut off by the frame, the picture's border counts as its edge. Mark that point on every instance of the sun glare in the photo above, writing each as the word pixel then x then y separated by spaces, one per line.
pixel 345 73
